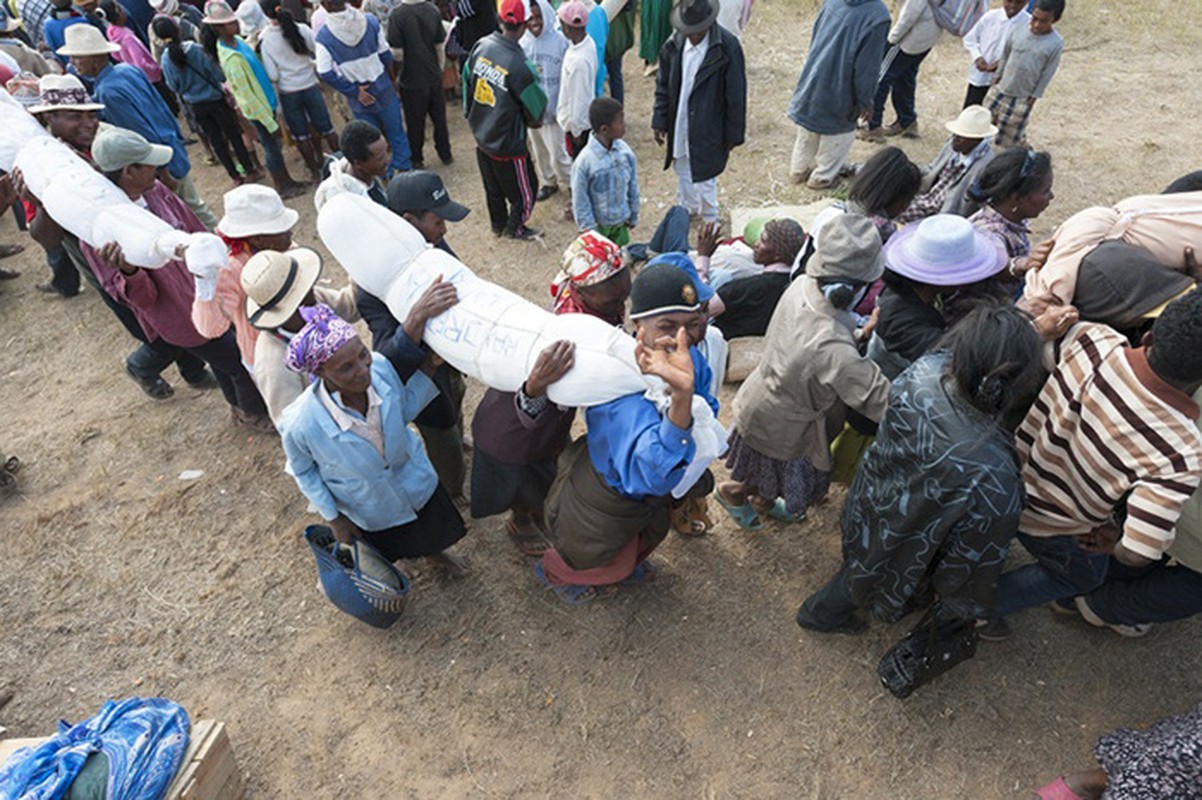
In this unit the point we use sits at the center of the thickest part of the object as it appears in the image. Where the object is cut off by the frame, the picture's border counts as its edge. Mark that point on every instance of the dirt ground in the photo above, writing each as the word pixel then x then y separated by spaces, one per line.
pixel 118 578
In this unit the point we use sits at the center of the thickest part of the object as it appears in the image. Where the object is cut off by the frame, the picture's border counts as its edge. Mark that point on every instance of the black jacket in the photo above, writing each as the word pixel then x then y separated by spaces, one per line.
pixel 717 105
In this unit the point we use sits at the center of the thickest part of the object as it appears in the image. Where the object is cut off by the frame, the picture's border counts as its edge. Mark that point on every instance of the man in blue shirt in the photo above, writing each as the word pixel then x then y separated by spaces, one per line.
pixel 131 102
pixel 612 505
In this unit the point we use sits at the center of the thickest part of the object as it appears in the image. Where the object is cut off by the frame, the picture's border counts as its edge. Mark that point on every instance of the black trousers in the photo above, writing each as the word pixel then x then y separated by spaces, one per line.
pixel 217 120
pixel 509 187
pixel 420 102
pixel 975 95
pixel 223 356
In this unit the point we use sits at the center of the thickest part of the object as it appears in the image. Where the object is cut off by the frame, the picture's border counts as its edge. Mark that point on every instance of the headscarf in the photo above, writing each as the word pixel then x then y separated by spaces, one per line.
pixel 168 7
pixel 787 238
pixel 588 261
pixel 323 335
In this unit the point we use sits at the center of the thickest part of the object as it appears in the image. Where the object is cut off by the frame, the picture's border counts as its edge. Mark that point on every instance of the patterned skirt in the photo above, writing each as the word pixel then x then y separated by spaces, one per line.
pixel 797 481
pixel 1011 115
pixel 1163 761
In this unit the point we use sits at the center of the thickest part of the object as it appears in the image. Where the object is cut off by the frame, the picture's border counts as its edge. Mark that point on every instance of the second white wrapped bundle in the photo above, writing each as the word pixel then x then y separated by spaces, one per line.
pixel 86 203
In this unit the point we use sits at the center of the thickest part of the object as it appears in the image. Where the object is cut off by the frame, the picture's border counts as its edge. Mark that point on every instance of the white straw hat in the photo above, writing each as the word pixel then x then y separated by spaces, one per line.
pixel 253 209
pixel 276 283
pixel 63 93
pixel 84 40
pixel 974 122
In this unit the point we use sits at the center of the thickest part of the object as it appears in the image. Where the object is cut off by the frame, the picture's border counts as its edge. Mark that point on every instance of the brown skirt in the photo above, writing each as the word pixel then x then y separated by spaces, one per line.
pixel 589 522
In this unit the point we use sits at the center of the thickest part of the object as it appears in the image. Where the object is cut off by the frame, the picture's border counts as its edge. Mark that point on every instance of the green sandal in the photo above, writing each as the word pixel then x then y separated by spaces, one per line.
pixel 744 516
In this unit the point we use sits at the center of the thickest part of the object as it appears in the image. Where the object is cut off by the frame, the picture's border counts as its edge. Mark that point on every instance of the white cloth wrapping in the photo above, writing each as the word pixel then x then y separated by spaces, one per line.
pixel 492 334
pixel 87 204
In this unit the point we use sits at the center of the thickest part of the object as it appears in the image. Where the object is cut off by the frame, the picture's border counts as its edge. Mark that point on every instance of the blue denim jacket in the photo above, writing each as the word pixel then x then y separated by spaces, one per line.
pixel 342 473
pixel 605 186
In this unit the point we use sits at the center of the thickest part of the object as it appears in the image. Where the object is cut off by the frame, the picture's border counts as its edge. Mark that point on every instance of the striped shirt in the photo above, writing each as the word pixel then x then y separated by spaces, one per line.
pixel 1105 427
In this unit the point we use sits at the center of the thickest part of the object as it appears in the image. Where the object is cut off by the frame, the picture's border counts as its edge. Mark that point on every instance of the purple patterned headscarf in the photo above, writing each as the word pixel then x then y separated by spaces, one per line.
pixel 323 334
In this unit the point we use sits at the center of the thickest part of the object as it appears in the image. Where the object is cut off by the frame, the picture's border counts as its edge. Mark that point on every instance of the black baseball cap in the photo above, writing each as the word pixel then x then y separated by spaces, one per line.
pixel 419 191
pixel 662 289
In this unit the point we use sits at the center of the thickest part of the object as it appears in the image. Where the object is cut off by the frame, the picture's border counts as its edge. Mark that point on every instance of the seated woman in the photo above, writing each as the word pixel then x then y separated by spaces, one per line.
pixel 926 266
pixel 518 436
pixel 351 452
pixel 937 498
pixel 750 301
pixel 255 219
pixel 811 373
pixel 612 502
pixel 1015 188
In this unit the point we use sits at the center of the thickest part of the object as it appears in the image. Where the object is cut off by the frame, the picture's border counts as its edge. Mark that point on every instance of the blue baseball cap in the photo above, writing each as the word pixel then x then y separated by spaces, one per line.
pixel 683 262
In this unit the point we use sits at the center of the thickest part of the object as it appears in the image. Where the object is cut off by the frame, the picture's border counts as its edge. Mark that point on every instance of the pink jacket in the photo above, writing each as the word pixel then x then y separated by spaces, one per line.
pixel 134 53
pixel 213 317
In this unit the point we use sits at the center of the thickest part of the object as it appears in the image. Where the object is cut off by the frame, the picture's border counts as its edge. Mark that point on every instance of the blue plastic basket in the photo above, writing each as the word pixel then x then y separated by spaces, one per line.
pixel 357 579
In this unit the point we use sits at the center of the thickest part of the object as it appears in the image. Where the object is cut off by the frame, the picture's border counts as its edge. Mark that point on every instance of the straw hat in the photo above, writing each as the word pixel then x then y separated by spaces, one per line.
pixel 84 40
pixel 276 283
pixel 218 12
pixel 63 93
pixel 974 122
pixel 253 209
pixel 944 250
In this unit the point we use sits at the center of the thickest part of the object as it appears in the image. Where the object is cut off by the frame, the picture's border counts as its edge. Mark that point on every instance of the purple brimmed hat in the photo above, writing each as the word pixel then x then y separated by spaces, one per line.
pixel 944 250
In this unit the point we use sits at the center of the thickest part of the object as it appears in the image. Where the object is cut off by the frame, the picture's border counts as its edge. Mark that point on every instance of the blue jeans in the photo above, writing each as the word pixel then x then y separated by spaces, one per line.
pixel 385 114
pixel 900 77
pixel 617 87
pixel 1061 569
pixel 672 234
pixel 273 152
pixel 1139 595
pixel 304 108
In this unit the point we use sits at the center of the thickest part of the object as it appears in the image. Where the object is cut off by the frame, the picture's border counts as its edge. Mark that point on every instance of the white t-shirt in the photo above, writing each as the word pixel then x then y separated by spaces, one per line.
pixel 690 63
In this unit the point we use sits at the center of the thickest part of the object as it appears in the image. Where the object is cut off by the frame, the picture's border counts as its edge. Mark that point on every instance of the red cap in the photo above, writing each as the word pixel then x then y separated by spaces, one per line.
pixel 513 11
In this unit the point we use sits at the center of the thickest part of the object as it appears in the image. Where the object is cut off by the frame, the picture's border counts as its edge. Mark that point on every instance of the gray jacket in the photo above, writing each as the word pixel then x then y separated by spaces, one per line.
pixel 958 200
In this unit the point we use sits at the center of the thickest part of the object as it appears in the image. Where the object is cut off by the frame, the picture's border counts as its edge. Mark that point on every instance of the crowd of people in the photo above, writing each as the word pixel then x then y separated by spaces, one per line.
pixel 972 388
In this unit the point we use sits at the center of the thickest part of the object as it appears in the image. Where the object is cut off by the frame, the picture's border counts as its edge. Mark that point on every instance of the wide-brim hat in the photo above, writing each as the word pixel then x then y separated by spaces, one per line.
pixel 218 12
pixel 1121 285
pixel 974 122
pixel 84 40
pixel 693 16
pixel 63 93
pixel 944 250
pixel 276 284
pixel 849 248
pixel 254 210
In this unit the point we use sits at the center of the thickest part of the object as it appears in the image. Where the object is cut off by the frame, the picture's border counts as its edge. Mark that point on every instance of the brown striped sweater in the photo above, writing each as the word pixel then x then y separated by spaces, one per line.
pixel 1106 426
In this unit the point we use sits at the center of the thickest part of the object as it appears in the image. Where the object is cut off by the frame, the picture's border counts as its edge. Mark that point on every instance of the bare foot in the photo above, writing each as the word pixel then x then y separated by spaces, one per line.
pixel 454 565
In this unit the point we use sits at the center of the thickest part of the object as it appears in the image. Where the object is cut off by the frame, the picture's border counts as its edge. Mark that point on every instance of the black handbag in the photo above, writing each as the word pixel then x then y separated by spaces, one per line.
pixel 929 650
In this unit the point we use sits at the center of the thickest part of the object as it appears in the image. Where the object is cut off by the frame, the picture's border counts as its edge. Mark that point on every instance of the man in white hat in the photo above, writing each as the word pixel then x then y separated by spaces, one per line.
pixel 131 102
pixel 947 179
pixel 276 286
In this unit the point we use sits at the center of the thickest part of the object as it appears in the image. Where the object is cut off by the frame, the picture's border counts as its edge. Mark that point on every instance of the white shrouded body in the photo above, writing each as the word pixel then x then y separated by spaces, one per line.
pixel 492 334
pixel 83 201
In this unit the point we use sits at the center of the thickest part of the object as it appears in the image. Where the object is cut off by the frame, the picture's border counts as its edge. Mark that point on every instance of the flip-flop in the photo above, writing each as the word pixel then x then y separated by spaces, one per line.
pixel 1057 790
pixel 744 516
pixel 780 512
pixel 531 544
pixel 571 595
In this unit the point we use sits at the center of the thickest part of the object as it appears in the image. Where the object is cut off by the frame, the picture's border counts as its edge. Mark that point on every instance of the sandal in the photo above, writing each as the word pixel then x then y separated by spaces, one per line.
pixel 531 543
pixel 745 516
pixel 691 517
pixel 644 573
pixel 12 466
pixel 7 250
pixel 1057 790
pixel 780 512
pixel 571 595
